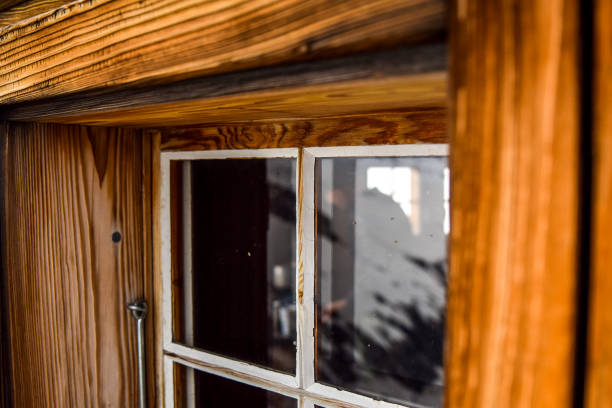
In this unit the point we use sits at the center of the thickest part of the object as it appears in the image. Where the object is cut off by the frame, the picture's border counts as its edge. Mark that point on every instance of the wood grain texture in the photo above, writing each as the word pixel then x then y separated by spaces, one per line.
pixel 148 258
pixel 157 309
pixel 91 44
pixel 176 276
pixel 422 126
pixel 402 61
pixel 67 190
pixel 344 98
pixel 18 11
pixel 6 388
pixel 7 4
pixel 599 355
pixel 514 208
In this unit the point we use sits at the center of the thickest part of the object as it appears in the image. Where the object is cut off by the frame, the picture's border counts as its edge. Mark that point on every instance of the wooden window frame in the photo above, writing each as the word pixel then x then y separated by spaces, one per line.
pixel 303 385
pixel 516 77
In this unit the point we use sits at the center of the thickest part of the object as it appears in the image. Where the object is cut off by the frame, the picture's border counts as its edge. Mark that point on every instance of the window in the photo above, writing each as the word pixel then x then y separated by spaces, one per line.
pixel 312 277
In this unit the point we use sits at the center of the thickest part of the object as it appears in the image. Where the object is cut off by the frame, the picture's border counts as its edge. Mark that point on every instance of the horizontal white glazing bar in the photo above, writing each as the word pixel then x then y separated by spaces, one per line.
pixel 328 395
pixel 416 150
pixel 217 364
pixel 231 154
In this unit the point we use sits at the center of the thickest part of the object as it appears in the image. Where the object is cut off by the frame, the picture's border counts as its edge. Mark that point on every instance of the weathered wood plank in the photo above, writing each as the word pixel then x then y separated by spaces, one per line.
pixel 599 356
pixel 397 62
pixel 514 208
pixel 157 308
pixel 68 189
pixel 12 12
pixel 90 44
pixel 148 217
pixel 344 98
pixel 7 4
pixel 6 388
pixel 420 126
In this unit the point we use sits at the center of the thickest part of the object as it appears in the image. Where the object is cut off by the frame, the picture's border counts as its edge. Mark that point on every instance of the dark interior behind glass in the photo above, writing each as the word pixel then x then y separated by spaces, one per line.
pixel 211 391
pixel 242 239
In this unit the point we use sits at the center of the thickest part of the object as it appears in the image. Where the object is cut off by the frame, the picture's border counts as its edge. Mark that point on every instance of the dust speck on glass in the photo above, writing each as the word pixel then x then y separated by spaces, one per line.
pixel 238 299
pixel 380 265
pixel 381 276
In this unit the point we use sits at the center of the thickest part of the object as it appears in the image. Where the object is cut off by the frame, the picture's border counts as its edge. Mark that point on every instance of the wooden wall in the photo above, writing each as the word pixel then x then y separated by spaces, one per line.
pixel 67 190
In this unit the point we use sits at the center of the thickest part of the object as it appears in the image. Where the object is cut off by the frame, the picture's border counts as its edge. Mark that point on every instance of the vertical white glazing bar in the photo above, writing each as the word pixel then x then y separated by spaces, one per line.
pixel 299 270
pixel 187 276
pixel 187 253
pixel 166 250
pixel 307 264
pixel 168 382
pixel 307 403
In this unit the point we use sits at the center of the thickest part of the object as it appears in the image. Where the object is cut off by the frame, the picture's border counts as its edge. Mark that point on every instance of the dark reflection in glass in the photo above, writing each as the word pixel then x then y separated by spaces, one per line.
pixel 197 389
pixel 234 248
pixel 381 276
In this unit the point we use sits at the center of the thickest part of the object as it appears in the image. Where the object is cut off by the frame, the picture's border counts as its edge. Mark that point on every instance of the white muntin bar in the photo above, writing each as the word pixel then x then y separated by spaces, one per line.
pixel 307 403
pixel 232 154
pixel 187 274
pixel 327 396
pixel 410 150
pixel 166 245
pixel 216 364
pixel 254 381
pixel 168 378
pixel 299 270
pixel 318 394
pixel 307 307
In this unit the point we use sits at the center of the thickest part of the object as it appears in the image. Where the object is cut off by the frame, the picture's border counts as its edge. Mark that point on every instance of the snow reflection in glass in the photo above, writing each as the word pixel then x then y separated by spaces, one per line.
pixel 381 249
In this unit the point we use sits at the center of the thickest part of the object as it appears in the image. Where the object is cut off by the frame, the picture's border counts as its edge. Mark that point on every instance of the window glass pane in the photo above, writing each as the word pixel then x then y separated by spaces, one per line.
pixel 234 249
pixel 381 276
pixel 197 389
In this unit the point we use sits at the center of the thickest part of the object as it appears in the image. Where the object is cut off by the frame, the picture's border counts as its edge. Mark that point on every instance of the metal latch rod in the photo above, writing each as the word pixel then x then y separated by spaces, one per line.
pixel 139 311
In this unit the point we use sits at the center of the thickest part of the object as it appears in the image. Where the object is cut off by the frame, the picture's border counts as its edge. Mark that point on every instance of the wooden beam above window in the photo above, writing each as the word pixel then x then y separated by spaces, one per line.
pixel 92 44
pixel 14 11
pixel 405 79
pixel 419 126
pixel 427 91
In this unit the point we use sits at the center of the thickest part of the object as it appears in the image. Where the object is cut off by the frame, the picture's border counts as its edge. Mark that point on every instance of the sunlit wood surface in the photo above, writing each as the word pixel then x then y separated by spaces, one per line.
pixel 91 44
pixel 599 357
pixel 514 199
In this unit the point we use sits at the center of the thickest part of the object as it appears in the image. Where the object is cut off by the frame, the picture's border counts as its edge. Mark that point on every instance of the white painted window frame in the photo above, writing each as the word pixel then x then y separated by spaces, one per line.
pixel 302 386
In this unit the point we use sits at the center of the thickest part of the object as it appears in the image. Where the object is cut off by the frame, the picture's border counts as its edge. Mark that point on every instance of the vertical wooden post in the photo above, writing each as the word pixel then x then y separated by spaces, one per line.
pixel 599 355
pixel 6 389
pixel 155 140
pixel 514 168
